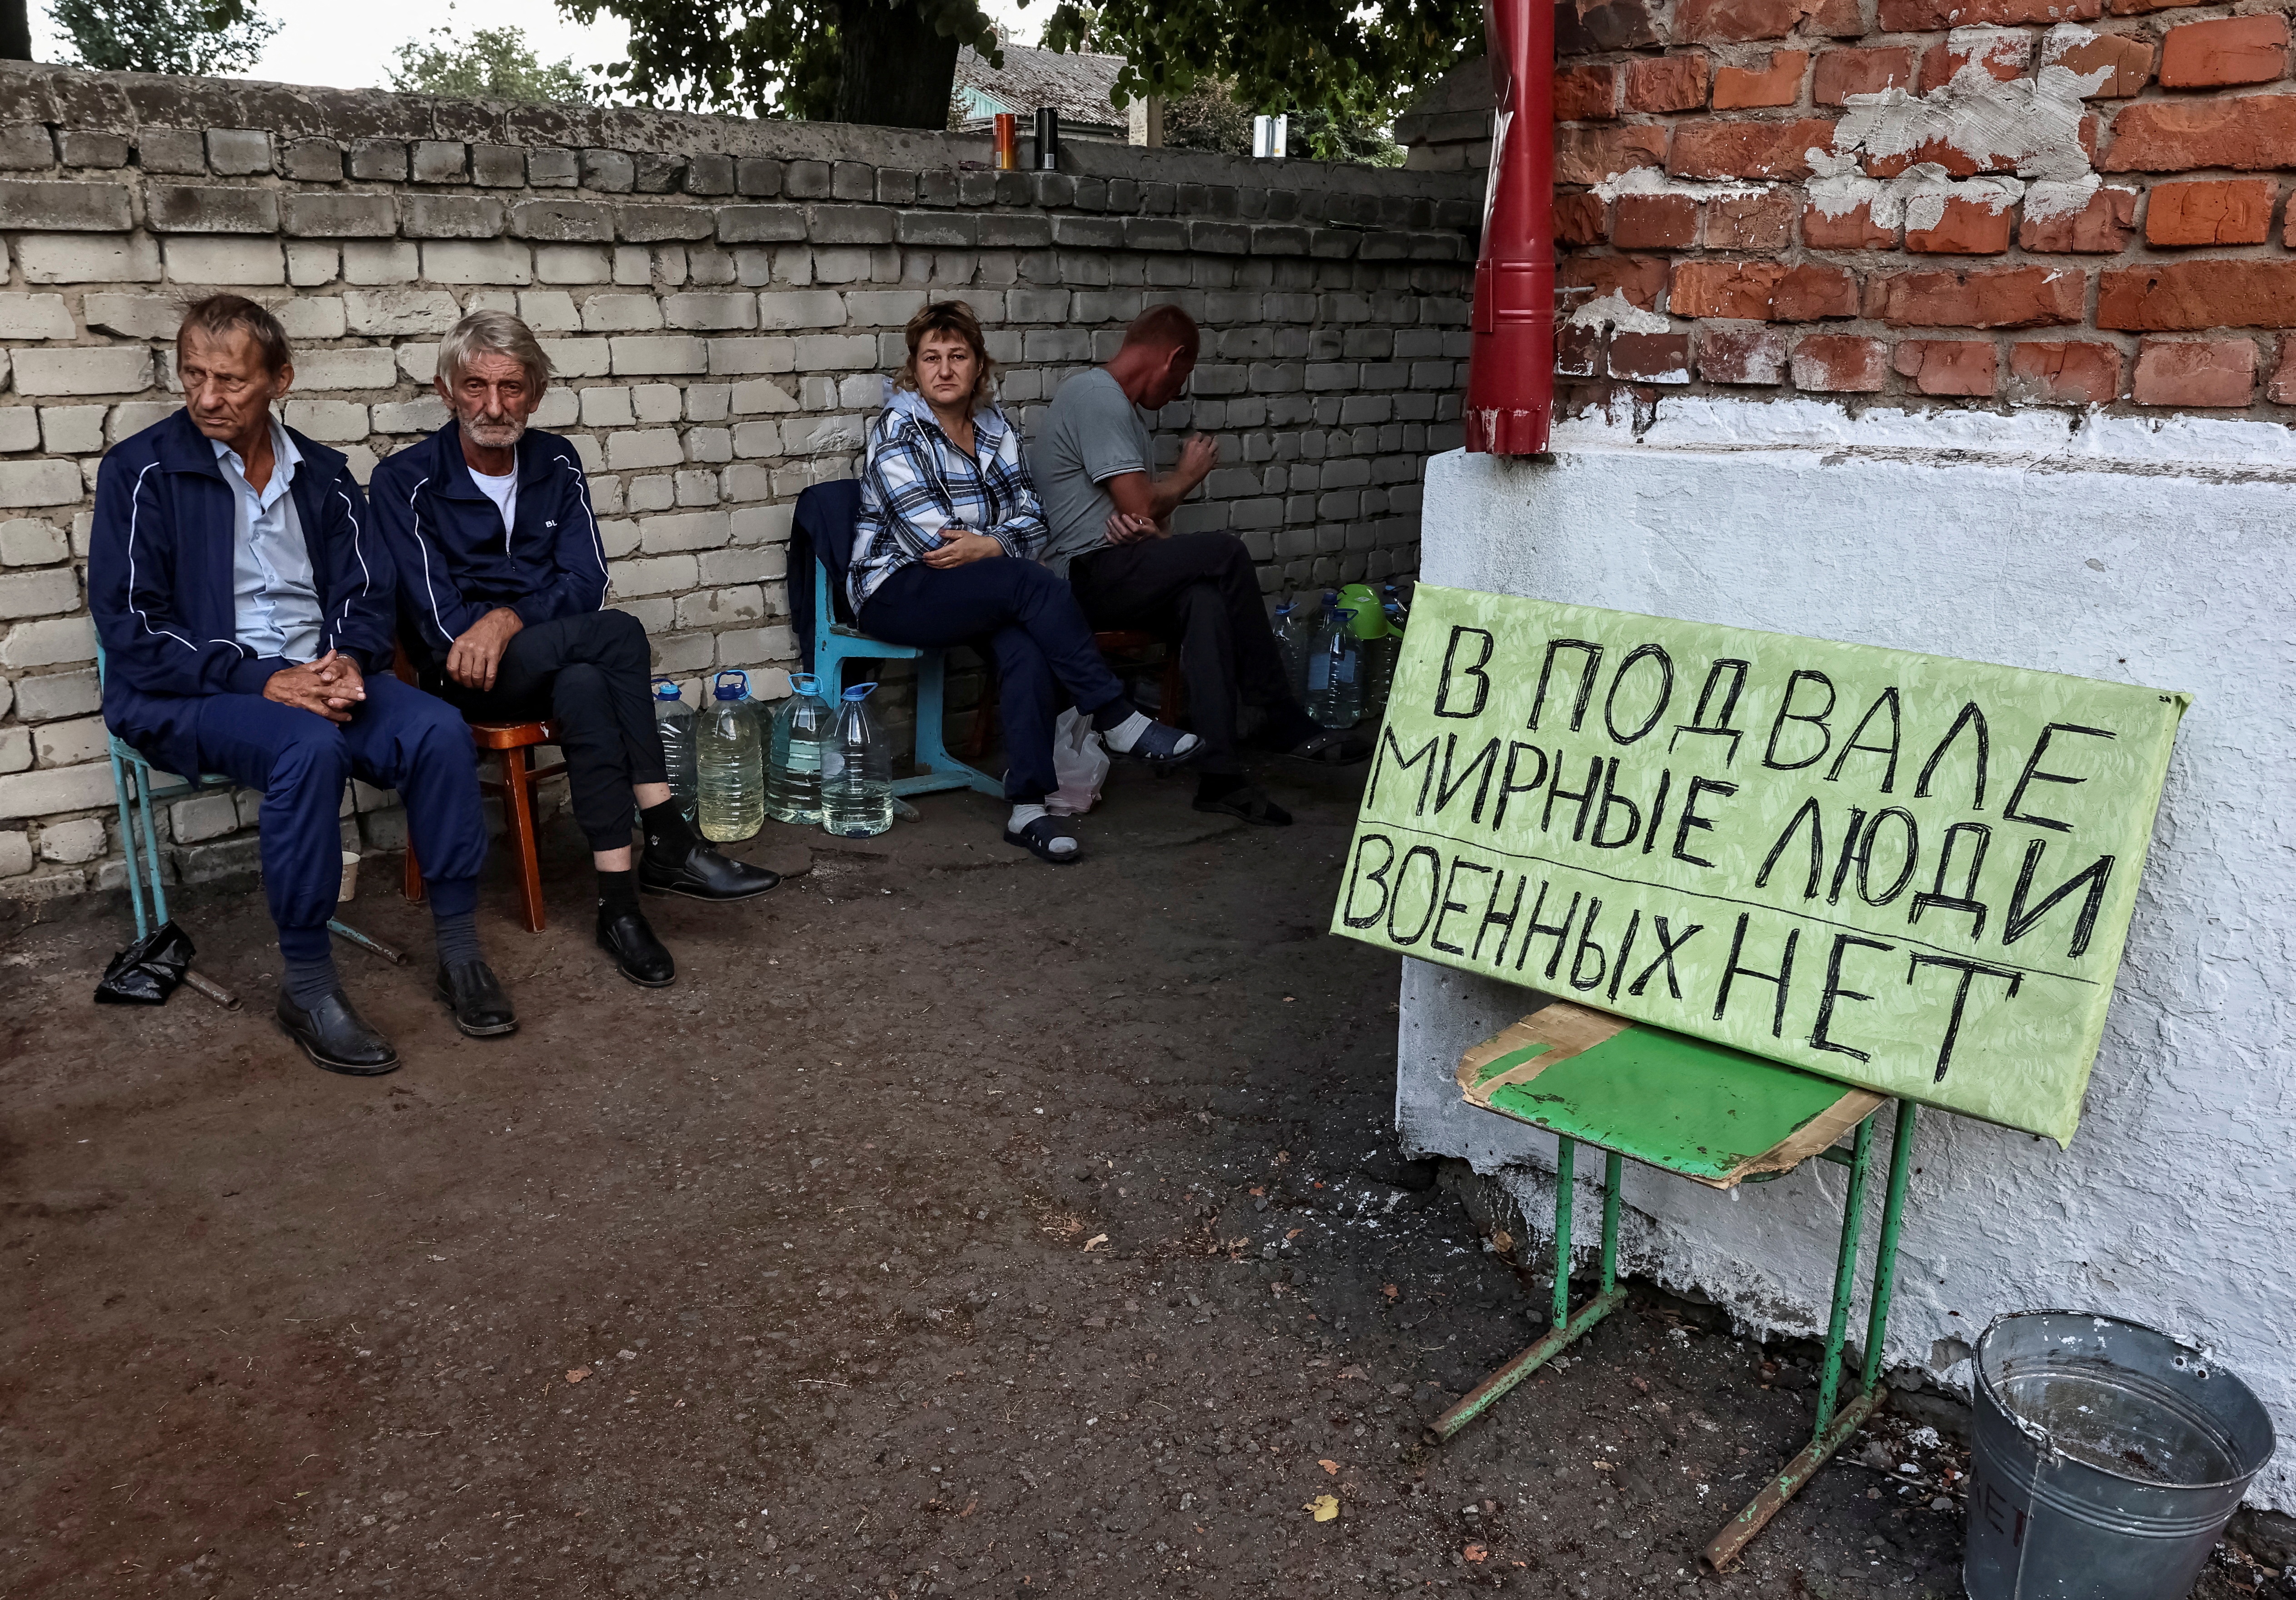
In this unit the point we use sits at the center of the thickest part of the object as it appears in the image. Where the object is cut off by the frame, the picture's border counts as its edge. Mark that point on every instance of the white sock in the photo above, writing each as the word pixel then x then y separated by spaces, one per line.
pixel 1127 733
pixel 1022 815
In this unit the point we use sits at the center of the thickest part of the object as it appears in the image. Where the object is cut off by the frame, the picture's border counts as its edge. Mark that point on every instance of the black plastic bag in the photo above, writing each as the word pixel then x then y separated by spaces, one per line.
pixel 146 973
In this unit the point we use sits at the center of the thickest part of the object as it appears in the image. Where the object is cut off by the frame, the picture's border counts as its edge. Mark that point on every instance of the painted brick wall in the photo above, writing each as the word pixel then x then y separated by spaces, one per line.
pixel 721 297
pixel 2052 202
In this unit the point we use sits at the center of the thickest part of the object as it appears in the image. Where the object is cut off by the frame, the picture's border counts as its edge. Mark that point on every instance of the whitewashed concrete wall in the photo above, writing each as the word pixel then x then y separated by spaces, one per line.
pixel 2148 551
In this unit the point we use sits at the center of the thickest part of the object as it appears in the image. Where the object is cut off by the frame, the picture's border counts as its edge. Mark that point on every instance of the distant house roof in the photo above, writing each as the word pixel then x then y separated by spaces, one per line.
pixel 1078 86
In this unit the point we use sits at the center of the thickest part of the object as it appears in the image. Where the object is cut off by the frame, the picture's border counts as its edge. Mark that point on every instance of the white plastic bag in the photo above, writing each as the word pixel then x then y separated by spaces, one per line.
pixel 1080 762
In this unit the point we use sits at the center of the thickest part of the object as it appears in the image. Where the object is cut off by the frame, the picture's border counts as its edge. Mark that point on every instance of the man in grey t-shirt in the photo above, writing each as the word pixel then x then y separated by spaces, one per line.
pixel 1110 517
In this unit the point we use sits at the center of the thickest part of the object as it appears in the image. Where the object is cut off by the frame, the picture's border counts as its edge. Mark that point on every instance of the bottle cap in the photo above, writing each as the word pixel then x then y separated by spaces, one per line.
pixel 732 691
pixel 860 692
pixel 664 689
pixel 804 684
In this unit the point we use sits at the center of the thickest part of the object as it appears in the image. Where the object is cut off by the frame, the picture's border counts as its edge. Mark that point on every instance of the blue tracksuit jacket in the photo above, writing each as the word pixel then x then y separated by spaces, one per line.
pixel 454 563
pixel 159 581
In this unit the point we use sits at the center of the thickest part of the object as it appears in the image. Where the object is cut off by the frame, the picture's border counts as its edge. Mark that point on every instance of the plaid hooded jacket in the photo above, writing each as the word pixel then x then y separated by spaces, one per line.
pixel 917 488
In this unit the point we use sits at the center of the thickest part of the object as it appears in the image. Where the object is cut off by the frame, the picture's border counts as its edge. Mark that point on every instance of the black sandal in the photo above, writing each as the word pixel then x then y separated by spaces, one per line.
pixel 1249 802
pixel 1333 747
pixel 1037 838
pixel 1159 746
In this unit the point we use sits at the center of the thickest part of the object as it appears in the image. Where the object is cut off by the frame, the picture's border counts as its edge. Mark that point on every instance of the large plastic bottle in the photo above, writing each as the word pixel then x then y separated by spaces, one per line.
pixel 1387 647
pixel 1295 636
pixel 1375 651
pixel 673 721
pixel 803 724
pixel 857 772
pixel 1397 613
pixel 730 761
pixel 1335 672
pixel 1292 644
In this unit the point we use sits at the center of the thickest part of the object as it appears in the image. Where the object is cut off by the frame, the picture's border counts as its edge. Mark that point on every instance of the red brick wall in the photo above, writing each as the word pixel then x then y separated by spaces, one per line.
pixel 2106 215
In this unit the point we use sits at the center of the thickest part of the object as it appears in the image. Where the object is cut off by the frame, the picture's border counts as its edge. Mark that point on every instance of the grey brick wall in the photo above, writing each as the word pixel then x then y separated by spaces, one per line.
pixel 721 298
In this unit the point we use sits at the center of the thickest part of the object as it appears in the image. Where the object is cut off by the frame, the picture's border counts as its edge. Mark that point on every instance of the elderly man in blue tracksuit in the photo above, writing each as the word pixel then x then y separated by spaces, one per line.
pixel 245 601
pixel 502 573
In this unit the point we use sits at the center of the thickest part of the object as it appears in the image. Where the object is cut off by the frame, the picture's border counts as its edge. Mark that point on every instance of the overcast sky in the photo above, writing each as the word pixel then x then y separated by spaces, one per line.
pixel 352 46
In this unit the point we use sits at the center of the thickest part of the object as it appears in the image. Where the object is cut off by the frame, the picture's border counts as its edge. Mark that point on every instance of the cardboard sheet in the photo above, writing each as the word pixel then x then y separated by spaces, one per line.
pixel 1705 1111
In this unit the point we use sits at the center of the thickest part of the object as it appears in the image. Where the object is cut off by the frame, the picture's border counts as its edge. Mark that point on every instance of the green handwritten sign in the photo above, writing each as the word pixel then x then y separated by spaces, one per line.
pixel 1906 872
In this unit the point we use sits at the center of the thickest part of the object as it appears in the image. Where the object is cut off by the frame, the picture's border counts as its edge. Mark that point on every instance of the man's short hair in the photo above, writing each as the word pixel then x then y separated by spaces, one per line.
pixel 1164 328
pixel 218 316
pixel 495 333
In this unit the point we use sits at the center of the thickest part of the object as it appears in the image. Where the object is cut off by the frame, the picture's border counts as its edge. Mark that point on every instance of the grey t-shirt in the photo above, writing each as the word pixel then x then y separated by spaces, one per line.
pixel 1092 434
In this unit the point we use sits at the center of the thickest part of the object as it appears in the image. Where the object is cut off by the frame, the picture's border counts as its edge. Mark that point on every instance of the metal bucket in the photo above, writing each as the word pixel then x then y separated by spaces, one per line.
pixel 2108 1458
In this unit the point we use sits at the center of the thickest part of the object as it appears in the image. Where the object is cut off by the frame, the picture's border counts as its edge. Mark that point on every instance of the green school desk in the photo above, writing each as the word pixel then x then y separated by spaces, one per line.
pixel 1717 1117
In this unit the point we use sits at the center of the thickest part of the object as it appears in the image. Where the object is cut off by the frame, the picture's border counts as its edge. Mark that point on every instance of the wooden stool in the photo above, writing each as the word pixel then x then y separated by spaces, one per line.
pixel 511 741
pixel 1115 642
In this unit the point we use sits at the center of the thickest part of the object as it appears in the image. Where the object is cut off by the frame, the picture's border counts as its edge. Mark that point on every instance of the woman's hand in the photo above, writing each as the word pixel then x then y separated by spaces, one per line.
pixel 957 549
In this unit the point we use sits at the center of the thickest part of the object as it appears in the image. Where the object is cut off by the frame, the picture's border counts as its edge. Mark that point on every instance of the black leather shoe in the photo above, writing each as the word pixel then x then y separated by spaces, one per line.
pixel 625 936
pixel 481 1009
pixel 703 874
pixel 336 1037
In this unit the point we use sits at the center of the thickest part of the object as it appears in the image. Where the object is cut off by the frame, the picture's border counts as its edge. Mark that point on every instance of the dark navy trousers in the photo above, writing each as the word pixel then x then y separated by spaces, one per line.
pixel 1030 622
pixel 398 739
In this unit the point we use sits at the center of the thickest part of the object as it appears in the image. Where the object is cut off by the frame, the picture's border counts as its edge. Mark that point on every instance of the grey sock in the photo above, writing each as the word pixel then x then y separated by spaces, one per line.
pixel 458 938
pixel 307 982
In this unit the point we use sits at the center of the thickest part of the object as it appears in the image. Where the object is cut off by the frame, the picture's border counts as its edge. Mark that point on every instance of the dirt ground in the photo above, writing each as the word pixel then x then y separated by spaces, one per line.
pixel 957 1225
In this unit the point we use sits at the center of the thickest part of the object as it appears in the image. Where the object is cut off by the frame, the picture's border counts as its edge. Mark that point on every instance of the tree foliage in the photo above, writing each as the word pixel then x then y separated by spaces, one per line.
pixel 881 61
pixel 194 37
pixel 494 63
pixel 1357 60
pixel 1207 117
pixel 1331 137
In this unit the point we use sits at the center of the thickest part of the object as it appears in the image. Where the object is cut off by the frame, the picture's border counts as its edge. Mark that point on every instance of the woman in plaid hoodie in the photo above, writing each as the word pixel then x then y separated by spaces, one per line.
pixel 945 553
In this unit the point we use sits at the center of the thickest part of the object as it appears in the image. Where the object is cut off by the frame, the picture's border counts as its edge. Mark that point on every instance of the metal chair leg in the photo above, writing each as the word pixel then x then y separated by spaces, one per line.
pixel 127 846
pixel 1845 1272
pixel 932 754
pixel 1565 1329
pixel 157 881
pixel 1834 1427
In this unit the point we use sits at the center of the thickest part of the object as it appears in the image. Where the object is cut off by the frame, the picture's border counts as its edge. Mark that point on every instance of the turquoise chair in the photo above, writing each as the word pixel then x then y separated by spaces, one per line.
pixel 825 506
pixel 134 787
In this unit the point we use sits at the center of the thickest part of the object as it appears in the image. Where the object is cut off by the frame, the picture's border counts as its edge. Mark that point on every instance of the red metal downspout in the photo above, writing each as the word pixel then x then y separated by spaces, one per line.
pixel 1511 363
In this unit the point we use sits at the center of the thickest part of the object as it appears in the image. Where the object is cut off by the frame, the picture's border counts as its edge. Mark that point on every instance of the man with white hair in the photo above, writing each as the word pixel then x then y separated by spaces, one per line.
pixel 501 576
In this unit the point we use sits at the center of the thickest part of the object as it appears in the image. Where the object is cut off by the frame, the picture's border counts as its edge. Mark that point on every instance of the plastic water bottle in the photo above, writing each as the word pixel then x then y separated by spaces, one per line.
pixel 857 772
pixel 1378 675
pixel 1335 672
pixel 1375 651
pixel 802 724
pixel 1387 649
pixel 1295 636
pixel 1289 646
pixel 673 722
pixel 730 763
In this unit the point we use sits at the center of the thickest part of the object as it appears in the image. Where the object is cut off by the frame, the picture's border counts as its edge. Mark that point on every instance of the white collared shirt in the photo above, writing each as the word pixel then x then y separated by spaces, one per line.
pixel 276 608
